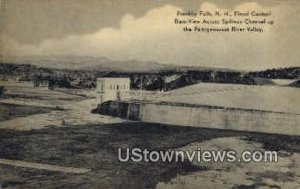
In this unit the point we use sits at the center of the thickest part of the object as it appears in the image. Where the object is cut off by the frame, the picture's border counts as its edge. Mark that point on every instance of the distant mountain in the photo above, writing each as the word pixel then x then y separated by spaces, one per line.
pixel 65 70
pixel 86 63
pixel 99 64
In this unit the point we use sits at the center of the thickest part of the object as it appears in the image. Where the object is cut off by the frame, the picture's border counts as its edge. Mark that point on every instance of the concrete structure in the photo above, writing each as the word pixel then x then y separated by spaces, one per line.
pixel 204 116
pixel 108 84
pixel 268 109
pixel 110 88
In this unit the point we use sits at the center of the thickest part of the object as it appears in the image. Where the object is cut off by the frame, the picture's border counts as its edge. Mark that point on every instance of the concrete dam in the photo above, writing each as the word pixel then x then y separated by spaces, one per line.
pixel 267 109
pixel 204 116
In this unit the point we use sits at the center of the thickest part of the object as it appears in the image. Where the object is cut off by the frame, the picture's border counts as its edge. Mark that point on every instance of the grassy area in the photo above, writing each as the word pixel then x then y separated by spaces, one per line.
pixel 95 147
pixel 24 91
pixel 11 111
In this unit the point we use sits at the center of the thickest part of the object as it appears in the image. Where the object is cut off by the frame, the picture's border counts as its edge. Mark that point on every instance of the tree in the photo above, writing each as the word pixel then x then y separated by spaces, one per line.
pixel 2 90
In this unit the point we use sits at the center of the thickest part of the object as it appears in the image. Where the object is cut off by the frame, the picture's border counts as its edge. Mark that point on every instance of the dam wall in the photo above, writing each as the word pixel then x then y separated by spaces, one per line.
pixel 205 116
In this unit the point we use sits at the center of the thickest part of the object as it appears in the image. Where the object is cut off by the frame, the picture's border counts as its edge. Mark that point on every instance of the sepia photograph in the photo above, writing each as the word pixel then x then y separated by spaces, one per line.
pixel 149 94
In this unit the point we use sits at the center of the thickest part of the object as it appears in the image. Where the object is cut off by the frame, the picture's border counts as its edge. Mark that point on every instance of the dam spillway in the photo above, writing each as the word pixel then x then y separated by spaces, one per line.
pixel 205 116
pixel 234 107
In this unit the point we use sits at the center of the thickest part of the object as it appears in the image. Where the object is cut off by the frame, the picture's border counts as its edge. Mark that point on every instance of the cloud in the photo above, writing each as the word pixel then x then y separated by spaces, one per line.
pixel 155 37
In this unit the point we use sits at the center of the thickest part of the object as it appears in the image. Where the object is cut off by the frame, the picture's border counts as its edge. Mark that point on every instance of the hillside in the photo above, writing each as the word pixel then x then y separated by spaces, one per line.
pixel 70 71
pixel 101 64
pixel 280 73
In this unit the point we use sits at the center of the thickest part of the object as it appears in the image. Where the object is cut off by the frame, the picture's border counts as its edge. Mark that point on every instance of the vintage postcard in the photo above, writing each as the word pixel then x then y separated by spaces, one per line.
pixel 162 94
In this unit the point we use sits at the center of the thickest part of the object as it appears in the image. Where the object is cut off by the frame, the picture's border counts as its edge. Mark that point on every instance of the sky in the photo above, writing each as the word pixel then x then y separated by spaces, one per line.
pixel 145 30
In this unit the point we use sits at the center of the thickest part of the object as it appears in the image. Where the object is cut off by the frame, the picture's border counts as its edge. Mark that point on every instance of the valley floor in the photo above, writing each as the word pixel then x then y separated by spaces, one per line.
pixel 39 126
